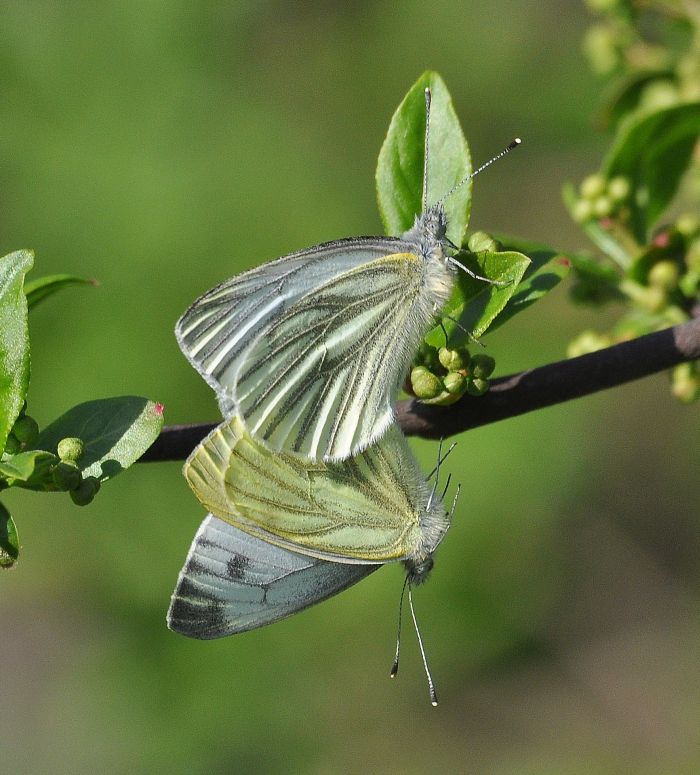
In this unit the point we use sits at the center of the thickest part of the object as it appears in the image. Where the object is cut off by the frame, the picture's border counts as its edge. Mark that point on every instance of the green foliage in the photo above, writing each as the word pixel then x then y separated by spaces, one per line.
pixel 14 339
pixel 652 102
pixel 43 287
pixel 9 541
pixel 105 436
pixel 652 152
pixel 491 283
pixel 114 432
pixel 400 165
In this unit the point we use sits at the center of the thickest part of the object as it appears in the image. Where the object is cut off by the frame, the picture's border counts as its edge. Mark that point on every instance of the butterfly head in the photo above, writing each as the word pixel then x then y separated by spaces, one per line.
pixel 418 570
pixel 429 231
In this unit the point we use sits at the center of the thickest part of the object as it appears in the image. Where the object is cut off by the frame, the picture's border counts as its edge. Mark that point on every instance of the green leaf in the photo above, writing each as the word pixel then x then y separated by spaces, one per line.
pixel 653 151
pixel 476 303
pixel 546 270
pixel 30 469
pixel 9 541
pixel 622 95
pixel 14 339
pixel 596 282
pixel 43 287
pixel 400 165
pixel 115 431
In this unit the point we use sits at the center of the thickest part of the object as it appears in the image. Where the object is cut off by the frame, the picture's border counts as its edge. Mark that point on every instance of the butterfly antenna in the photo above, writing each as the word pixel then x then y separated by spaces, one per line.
pixel 454 502
pixel 511 145
pixel 464 330
pixel 441 460
pixel 447 484
pixel 437 477
pixel 428 98
pixel 431 683
pixel 395 666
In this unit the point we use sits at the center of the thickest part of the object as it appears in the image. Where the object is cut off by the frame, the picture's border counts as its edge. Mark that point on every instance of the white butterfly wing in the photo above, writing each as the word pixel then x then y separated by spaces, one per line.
pixel 232 582
pixel 216 330
pixel 321 380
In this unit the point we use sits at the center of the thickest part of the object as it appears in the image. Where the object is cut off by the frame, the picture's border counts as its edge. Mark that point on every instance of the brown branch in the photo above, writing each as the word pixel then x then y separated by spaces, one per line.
pixel 509 396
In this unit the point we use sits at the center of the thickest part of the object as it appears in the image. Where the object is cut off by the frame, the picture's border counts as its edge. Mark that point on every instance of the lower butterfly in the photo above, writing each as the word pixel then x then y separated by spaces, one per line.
pixel 286 532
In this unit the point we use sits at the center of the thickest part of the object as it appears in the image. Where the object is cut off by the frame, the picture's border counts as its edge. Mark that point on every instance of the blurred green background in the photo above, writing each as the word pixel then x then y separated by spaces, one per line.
pixel 164 146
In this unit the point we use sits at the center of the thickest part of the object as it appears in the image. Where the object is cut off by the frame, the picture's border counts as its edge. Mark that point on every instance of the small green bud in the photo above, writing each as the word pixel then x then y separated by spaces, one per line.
pixel 652 299
pixel 424 383
pixel 454 360
pixel 582 211
pixel 26 429
pixel 685 383
pixel 587 342
pixel 477 387
pixel 690 284
pixel 592 186
pixel 427 356
pixel 600 46
pixel 664 275
pixel 455 383
pixel 602 207
pixel 692 256
pixel 66 475
pixel 70 448
pixel 688 224
pixel 480 242
pixel 659 94
pixel 481 366
pixel 86 491
pixel 619 189
pixel 13 445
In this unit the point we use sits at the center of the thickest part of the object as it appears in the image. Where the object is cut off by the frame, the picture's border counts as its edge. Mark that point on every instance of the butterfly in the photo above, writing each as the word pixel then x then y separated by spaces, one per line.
pixel 312 348
pixel 286 532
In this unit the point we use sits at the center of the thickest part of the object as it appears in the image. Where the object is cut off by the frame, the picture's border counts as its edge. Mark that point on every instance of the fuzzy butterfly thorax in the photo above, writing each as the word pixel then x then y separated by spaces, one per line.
pixel 429 235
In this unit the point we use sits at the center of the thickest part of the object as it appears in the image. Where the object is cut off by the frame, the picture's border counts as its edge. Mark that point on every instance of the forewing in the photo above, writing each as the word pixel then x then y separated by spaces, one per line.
pixel 362 510
pixel 232 582
pixel 216 330
pixel 322 378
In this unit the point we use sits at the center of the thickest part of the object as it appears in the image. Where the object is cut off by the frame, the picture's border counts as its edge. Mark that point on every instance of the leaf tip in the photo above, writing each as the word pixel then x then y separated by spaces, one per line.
pixel 158 408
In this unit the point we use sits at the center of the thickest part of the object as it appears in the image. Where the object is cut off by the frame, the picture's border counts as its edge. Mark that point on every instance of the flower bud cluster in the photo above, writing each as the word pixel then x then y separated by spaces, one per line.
pixel 443 376
pixel 67 474
pixel 663 68
pixel 600 198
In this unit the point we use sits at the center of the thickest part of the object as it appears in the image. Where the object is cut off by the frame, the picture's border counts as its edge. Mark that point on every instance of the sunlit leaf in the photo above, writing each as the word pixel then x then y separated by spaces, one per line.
pixel 622 95
pixel 400 165
pixel 14 339
pixel 653 151
pixel 115 432
pixel 476 303
pixel 546 270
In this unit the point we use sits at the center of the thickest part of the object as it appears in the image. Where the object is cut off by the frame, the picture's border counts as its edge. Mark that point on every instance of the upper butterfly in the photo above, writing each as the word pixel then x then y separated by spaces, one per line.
pixel 312 348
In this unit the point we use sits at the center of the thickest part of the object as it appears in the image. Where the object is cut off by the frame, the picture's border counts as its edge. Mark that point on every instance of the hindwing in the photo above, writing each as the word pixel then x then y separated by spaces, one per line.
pixel 368 509
pixel 232 582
